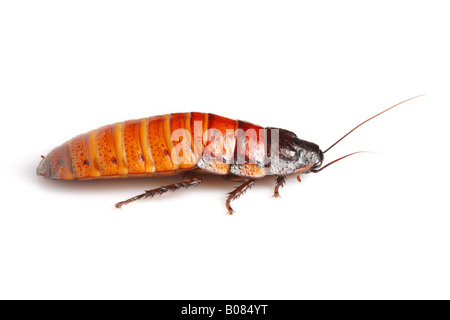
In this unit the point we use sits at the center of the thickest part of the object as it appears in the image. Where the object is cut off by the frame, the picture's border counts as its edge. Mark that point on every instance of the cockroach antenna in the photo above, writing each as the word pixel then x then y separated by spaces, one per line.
pixel 317 169
pixel 359 125
pixel 329 164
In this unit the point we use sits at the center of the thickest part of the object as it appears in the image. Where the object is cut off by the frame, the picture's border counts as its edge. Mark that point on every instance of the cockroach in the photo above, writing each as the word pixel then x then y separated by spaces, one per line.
pixel 190 143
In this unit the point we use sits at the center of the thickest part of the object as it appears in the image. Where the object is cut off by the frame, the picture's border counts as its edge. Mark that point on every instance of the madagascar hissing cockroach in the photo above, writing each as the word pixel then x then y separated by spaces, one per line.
pixel 191 143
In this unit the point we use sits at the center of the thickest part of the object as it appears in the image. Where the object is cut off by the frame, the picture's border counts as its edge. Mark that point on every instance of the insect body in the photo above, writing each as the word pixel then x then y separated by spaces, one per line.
pixel 189 143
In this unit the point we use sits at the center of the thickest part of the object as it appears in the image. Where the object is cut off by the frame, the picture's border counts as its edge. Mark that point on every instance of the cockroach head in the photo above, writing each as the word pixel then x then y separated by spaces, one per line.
pixel 288 154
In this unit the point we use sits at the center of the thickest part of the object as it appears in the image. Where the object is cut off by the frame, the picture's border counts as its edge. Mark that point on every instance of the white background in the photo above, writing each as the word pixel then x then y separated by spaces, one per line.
pixel 371 226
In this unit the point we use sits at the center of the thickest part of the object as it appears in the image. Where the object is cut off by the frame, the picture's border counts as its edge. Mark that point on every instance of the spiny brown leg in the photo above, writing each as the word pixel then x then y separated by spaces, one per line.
pixel 280 181
pixel 237 193
pixel 189 181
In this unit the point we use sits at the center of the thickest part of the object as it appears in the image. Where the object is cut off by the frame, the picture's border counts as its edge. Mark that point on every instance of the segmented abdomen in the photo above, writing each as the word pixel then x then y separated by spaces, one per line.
pixel 133 148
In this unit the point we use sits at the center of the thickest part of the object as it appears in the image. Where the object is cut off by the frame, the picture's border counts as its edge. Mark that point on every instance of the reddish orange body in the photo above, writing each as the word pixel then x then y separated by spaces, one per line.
pixel 141 148
pixel 182 142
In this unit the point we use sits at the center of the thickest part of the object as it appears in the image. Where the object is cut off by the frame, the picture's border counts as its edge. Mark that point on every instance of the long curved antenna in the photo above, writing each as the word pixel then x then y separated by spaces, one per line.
pixel 329 164
pixel 359 125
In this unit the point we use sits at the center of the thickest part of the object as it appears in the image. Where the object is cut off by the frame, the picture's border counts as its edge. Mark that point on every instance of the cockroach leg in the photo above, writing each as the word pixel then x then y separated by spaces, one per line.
pixel 280 181
pixel 236 193
pixel 189 181
pixel 298 178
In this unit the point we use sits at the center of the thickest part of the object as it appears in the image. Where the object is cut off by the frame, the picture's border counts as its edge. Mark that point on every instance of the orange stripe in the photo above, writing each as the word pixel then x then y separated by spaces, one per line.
pixel 120 150
pixel 107 151
pixel 187 121
pixel 145 145
pixel 158 147
pixel 93 153
pixel 205 127
pixel 168 138
pixel 79 152
pixel 133 152
pixel 197 129
pixel 187 124
pixel 181 140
